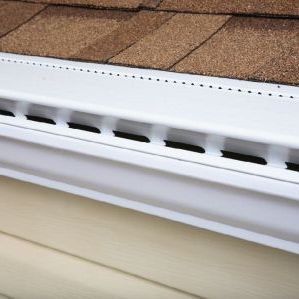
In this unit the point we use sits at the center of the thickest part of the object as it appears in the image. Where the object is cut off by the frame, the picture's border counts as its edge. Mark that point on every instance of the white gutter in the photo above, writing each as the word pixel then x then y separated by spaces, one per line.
pixel 254 202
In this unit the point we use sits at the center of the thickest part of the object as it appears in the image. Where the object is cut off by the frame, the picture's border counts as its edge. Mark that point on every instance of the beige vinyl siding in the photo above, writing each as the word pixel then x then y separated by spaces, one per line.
pixel 30 271
pixel 178 256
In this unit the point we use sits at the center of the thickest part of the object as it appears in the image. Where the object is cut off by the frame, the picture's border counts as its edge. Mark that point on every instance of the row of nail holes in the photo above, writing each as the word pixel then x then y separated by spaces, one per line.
pixel 139 77
pixel 168 143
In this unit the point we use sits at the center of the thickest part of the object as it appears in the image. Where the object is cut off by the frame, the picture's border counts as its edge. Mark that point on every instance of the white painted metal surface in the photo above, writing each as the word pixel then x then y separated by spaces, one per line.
pixel 42 99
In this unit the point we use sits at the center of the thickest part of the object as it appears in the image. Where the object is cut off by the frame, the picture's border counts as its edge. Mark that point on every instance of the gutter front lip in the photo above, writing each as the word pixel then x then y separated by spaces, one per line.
pixel 187 210
pixel 215 162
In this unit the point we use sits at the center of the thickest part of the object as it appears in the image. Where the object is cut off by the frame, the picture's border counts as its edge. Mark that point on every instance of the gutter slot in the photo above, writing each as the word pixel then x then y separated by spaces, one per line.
pixel 81 127
pixel 6 113
pixel 184 146
pixel 292 166
pixel 130 136
pixel 243 157
pixel 41 119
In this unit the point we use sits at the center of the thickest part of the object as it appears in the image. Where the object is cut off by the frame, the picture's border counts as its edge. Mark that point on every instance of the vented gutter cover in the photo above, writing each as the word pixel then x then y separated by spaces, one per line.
pixel 214 153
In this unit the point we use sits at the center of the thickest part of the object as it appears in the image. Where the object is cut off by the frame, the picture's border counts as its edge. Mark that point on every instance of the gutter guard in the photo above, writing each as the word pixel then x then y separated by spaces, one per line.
pixel 214 153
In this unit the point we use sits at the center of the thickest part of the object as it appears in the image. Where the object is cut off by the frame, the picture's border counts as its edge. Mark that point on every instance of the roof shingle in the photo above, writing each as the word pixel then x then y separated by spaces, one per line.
pixel 126 4
pixel 261 7
pixel 272 7
pixel 62 31
pixel 14 14
pixel 172 41
pixel 283 69
pixel 242 47
pixel 124 36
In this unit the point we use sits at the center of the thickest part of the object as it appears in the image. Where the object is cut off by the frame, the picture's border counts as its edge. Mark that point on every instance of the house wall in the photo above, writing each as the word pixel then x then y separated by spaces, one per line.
pixel 57 245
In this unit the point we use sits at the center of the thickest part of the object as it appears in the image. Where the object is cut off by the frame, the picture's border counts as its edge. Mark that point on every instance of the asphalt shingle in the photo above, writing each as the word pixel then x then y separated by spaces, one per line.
pixel 271 7
pixel 62 31
pixel 283 69
pixel 128 33
pixel 172 41
pixel 242 47
pixel 127 4
pixel 14 14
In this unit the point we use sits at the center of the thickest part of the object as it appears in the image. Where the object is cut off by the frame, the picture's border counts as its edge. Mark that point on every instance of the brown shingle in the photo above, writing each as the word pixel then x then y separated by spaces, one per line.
pixel 241 47
pixel 13 14
pixel 98 3
pixel 284 69
pixel 124 36
pixel 150 3
pixel 62 31
pixel 172 41
pixel 275 7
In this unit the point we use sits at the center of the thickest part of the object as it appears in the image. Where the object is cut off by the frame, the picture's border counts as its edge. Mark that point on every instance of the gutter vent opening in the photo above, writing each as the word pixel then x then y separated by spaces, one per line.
pixel 292 166
pixel 41 119
pixel 127 125
pixel 244 158
pixel 184 146
pixel 6 113
pixel 130 136
pixel 83 127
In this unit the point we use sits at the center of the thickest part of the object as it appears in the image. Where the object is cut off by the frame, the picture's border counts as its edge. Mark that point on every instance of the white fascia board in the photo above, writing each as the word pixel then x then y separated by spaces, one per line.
pixel 259 203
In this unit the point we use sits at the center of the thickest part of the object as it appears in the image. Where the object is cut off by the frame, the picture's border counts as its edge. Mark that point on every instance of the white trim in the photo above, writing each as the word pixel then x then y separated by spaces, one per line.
pixel 253 202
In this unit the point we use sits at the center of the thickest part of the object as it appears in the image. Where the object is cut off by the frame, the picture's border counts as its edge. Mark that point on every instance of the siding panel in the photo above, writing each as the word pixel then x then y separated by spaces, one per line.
pixel 193 260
